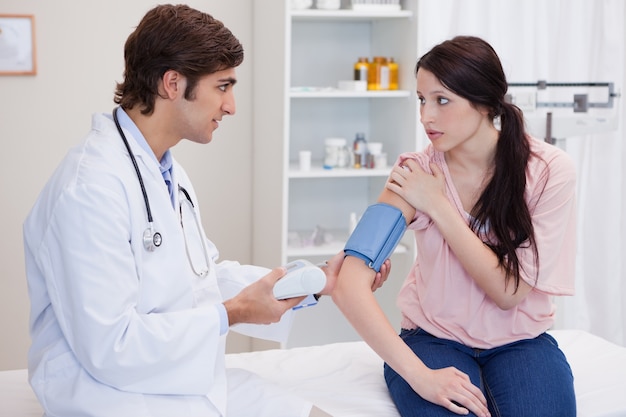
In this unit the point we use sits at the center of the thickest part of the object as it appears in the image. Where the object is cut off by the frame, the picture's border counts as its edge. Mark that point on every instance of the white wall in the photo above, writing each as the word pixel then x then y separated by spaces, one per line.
pixel 79 59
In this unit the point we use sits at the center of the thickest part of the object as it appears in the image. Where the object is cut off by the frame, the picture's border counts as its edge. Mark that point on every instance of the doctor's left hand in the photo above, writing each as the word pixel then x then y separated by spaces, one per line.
pixel 256 303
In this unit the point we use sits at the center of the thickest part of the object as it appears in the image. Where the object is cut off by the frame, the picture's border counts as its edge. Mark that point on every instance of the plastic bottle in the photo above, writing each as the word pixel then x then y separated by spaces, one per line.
pixel 393 74
pixel 333 153
pixel 360 69
pixel 360 151
pixel 374 149
pixel 378 75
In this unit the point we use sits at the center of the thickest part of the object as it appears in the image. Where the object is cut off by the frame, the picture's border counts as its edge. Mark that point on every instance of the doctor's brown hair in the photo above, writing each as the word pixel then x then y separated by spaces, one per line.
pixel 470 67
pixel 177 38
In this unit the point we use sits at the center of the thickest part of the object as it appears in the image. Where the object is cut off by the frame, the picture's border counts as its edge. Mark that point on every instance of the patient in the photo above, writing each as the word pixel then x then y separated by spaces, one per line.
pixel 493 213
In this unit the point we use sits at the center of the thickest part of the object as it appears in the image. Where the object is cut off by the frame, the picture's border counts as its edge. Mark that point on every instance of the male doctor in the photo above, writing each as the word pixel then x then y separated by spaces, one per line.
pixel 129 306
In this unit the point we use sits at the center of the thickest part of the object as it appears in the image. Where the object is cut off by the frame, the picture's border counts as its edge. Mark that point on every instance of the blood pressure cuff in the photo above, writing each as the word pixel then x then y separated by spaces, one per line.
pixel 376 235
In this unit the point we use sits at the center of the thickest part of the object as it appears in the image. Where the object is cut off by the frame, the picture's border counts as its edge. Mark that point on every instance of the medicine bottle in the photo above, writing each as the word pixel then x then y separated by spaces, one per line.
pixel 393 74
pixel 359 148
pixel 360 69
pixel 374 149
pixel 378 76
pixel 335 153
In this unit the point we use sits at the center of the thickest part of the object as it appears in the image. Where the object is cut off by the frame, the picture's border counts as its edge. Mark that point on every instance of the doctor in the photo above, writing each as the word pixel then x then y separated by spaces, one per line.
pixel 129 306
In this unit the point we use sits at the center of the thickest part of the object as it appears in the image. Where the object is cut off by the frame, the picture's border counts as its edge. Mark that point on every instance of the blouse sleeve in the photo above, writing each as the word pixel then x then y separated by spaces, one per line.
pixel 551 196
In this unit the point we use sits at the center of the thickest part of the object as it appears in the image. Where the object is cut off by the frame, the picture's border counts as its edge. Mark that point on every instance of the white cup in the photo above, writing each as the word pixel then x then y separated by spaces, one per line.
pixel 380 160
pixel 375 148
pixel 305 160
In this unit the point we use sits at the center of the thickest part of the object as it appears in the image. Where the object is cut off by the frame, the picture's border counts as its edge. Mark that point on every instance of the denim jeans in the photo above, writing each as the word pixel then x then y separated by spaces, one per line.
pixel 527 378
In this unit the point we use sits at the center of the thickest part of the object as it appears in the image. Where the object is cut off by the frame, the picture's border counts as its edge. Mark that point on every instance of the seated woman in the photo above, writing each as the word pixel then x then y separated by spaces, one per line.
pixel 493 212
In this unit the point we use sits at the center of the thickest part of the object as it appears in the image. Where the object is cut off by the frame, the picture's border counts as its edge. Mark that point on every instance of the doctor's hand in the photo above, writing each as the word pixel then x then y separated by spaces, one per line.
pixel 333 266
pixel 381 276
pixel 256 303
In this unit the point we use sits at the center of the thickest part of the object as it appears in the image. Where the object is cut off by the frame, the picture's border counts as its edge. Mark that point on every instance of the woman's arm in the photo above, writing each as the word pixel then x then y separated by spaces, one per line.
pixel 354 297
pixel 426 192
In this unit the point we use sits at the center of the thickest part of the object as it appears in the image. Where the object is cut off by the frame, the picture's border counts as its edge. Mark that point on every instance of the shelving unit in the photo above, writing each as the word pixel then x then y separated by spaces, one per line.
pixel 296 106
pixel 331 93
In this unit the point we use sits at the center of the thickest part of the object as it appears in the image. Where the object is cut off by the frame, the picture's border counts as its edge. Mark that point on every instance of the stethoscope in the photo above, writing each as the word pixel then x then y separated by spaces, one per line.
pixel 151 238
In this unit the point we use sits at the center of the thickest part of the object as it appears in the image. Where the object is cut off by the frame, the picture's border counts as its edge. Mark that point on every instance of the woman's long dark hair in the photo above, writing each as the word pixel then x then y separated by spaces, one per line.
pixel 470 67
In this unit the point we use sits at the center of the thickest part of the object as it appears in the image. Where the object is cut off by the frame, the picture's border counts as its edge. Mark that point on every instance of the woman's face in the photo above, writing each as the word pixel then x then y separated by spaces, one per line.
pixel 450 121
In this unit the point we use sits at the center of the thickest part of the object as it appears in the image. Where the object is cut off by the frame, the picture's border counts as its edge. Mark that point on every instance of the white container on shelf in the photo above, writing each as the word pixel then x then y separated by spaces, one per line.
pixel 300 4
pixel 376 5
pixel 304 158
pixel 328 4
pixel 375 148
pixel 336 153
pixel 352 85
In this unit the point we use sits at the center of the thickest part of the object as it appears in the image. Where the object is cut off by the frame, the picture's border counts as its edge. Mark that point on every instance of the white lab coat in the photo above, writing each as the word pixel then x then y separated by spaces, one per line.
pixel 117 330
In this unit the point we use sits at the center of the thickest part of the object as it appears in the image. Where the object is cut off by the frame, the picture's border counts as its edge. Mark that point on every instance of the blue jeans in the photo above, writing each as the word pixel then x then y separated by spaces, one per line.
pixel 528 378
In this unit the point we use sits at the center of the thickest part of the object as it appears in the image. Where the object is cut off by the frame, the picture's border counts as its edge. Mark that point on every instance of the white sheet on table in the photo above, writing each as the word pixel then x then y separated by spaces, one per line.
pixel 346 378
pixel 329 375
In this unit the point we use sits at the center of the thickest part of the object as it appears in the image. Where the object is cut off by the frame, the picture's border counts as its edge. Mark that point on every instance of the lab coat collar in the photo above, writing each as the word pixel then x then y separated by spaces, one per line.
pixel 143 153
pixel 127 123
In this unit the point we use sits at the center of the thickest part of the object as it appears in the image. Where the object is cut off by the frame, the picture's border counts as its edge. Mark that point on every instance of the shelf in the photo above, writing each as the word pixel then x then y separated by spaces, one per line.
pixel 310 107
pixel 319 172
pixel 351 15
pixel 298 103
pixel 320 92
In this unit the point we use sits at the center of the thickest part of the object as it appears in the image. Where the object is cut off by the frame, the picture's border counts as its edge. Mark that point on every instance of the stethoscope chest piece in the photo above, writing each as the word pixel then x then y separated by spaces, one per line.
pixel 151 239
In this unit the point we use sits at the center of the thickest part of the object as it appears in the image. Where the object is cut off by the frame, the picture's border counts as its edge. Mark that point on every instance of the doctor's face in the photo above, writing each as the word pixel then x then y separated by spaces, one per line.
pixel 212 99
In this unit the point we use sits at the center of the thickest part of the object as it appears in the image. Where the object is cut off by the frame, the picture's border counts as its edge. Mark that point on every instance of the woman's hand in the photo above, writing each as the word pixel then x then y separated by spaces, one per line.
pixel 417 187
pixel 453 390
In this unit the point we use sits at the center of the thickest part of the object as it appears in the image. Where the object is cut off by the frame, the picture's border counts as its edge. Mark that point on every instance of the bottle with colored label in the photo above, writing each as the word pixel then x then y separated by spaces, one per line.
pixel 393 74
pixel 360 69
pixel 378 77
pixel 360 151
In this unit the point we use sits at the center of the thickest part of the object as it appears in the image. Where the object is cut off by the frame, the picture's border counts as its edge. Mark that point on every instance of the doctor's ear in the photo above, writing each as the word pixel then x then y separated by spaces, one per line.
pixel 173 84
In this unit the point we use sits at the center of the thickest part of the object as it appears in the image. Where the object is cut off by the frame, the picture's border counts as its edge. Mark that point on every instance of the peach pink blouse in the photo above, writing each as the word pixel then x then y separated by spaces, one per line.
pixel 440 297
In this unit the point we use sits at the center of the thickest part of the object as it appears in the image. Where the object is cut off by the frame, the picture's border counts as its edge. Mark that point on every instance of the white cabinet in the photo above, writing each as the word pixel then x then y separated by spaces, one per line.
pixel 299 57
